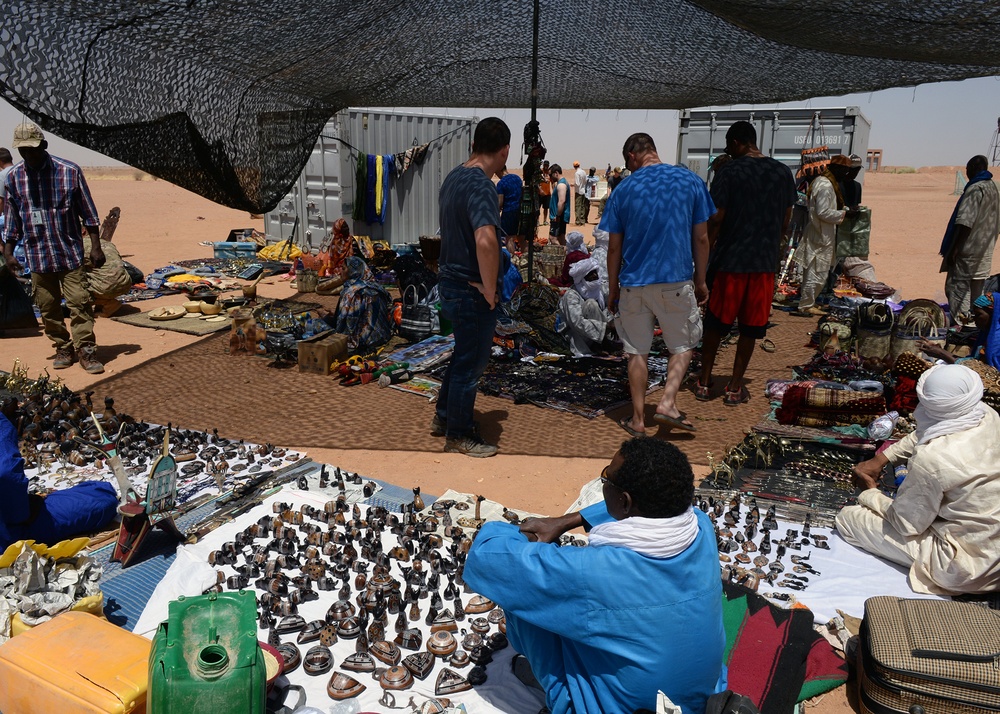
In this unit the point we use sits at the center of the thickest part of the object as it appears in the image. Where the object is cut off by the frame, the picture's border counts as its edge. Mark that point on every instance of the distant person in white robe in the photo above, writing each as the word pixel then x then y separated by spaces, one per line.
pixel 584 310
pixel 944 524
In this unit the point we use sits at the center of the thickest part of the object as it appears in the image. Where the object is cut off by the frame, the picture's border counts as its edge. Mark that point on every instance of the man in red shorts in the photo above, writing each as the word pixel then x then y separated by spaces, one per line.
pixel 753 195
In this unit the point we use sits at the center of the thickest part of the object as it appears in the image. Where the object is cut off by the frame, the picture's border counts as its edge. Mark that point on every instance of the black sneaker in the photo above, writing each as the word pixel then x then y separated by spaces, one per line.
pixel 470 445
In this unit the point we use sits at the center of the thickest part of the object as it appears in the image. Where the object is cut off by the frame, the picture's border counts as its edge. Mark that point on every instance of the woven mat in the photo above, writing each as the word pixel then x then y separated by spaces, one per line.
pixel 285 406
pixel 187 325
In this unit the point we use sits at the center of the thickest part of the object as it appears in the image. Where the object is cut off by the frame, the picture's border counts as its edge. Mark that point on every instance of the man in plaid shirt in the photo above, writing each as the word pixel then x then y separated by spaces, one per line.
pixel 47 201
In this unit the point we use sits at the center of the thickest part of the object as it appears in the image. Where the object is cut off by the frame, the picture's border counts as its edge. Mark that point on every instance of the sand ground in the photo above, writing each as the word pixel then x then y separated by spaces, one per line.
pixel 161 223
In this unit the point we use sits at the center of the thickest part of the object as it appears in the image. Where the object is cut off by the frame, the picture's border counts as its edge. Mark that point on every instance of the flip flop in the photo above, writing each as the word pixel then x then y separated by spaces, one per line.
pixel 624 424
pixel 768 345
pixel 677 422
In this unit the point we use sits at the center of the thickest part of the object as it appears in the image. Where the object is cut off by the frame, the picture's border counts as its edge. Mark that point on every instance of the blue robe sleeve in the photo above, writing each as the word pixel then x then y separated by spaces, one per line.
pixel 13 483
pixel 530 579
pixel 595 515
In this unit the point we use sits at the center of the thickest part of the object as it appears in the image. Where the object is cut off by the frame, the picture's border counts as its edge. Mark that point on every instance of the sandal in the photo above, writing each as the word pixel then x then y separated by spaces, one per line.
pixel 626 424
pixel 678 422
pixel 702 392
pixel 733 399
pixel 768 345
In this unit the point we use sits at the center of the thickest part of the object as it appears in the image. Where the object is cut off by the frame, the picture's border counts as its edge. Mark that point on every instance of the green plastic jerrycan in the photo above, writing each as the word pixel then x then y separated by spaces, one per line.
pixel 206 658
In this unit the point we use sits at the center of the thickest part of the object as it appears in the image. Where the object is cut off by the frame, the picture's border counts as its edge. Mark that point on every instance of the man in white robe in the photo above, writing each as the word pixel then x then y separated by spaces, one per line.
pixel 583 309
pixel 944 523
pixel 819 241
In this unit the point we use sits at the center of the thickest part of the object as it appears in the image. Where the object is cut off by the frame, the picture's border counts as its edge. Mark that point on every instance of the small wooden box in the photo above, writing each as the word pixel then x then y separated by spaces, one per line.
pixel 317 353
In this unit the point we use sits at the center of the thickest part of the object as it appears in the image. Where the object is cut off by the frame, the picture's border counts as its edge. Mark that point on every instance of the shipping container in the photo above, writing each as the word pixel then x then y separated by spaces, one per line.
pixel 782 133
pixel 325 191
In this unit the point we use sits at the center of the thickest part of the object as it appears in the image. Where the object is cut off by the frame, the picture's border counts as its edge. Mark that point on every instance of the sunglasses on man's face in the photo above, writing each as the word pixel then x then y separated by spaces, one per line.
pixel 606 477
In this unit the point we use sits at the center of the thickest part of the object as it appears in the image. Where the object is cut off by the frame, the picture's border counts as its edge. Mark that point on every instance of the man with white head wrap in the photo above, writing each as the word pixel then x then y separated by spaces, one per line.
pixel 583 309
pixel 576 250
pixel 944 523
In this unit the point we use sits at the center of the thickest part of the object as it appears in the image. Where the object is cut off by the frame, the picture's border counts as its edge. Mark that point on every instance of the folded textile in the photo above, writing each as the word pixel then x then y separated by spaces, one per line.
pixel 819 406
pixel 776 388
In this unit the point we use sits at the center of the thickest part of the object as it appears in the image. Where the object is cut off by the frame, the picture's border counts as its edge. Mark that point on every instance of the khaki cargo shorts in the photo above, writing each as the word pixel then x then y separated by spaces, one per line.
pixel 673 305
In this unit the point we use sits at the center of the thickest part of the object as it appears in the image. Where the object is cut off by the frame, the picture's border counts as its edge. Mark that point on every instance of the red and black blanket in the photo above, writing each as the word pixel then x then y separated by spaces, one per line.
pixel 774 655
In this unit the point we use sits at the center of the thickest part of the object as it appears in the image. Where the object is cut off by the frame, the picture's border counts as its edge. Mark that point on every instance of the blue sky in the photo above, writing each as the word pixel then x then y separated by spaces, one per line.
pixel 930 125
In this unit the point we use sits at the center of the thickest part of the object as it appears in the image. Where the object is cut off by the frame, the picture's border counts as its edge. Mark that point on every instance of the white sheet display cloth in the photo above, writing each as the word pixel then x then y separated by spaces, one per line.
pixel 501 694
pixel 849 576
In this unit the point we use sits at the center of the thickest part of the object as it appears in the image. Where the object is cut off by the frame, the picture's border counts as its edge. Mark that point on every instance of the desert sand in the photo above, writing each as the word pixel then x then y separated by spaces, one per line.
pixel 161 223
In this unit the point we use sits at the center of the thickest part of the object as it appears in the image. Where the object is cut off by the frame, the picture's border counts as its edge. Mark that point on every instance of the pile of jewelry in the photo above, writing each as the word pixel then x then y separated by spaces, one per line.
pixel 400 609
pixel 752 549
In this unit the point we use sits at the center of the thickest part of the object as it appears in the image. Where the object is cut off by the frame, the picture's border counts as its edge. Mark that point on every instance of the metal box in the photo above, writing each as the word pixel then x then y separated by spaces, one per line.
pixel 782 133
pixel 325 190
pixel 232 250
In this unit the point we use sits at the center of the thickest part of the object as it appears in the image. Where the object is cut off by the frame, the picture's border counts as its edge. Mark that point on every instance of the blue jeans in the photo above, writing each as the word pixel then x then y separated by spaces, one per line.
pixel 473 324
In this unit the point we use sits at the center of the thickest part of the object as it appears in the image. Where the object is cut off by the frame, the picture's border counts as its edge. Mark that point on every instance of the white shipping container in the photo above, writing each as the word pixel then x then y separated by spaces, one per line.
pixel 325 191
pixel 782 133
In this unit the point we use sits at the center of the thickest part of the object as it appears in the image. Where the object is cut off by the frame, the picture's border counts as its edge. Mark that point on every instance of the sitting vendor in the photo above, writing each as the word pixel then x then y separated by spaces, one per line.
pixel 58 516
pixel 944 524
pixel 576 250
pixel 638 610
pixel 987 347
pixel 583 309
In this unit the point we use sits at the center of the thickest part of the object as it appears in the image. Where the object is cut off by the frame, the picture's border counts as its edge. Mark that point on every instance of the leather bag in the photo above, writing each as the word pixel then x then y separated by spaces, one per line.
pixel 417 321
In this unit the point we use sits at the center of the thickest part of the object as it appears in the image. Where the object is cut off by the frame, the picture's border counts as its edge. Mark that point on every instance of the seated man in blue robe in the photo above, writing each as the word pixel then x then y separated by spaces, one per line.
pixel 59 515
pixel 636 611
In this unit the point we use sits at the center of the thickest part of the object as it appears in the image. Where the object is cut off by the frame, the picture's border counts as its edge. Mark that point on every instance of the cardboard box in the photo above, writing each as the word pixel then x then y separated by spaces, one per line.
pixel 74 664
pixel 317 353
pixel 238 249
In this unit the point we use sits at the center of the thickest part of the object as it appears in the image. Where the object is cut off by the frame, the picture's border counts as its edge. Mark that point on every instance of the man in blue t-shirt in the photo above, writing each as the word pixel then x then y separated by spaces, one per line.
pixel 657 259
pixel 469 283
pixel 509 189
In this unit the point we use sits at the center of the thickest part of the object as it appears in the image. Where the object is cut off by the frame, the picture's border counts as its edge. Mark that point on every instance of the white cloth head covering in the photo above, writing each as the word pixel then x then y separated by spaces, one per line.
pixel 950 401
pixel 653 537
pixel 574 241
pixel 589 289
pixel 601 238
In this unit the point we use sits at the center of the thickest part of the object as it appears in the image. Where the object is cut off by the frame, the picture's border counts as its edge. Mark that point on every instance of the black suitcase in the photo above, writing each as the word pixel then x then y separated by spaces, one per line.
pixel 939 655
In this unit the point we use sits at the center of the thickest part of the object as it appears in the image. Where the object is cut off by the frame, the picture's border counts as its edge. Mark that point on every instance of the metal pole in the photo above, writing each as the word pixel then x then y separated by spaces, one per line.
pixel 534 117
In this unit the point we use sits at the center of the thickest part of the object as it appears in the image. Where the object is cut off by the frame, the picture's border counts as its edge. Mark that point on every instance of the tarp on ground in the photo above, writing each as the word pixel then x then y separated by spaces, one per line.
pixel 227 98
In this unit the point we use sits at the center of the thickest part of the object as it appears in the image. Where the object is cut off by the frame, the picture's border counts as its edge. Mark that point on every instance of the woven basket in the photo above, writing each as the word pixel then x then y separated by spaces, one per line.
pixel 550 266
pixel 873 343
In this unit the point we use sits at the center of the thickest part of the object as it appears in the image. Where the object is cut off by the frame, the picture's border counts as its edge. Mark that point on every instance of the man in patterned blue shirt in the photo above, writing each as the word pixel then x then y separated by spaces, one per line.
pixel 47 201
pixel 657 219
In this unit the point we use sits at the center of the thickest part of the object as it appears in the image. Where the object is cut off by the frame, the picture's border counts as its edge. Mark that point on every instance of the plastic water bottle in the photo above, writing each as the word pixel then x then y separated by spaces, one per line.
pixel 350 706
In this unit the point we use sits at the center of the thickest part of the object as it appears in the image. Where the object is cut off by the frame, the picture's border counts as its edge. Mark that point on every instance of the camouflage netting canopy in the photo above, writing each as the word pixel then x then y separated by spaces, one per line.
pixel 226 98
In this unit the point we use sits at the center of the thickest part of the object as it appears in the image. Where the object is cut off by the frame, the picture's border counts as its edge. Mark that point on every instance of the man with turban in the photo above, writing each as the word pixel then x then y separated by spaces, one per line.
pixel 944 523
pixel 583 309
pixel 827 210
pixel 576 250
